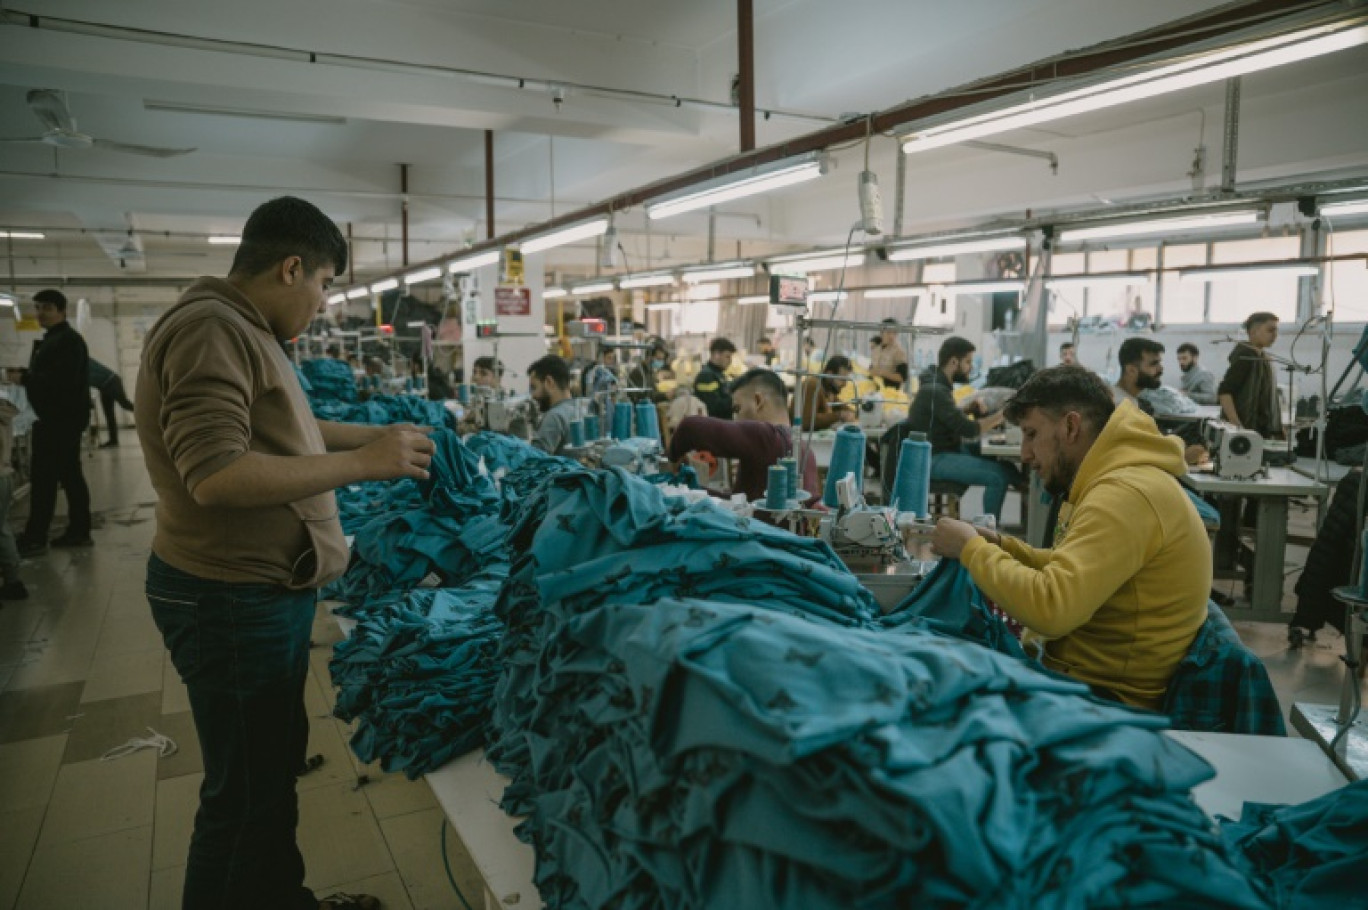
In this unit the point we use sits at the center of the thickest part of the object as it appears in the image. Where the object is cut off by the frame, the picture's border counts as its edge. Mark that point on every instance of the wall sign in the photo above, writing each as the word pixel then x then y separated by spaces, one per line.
pixel 513 301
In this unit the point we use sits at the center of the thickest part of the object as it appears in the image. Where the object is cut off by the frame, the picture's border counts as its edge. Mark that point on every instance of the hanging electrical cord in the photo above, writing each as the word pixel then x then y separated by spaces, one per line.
pixel 446 862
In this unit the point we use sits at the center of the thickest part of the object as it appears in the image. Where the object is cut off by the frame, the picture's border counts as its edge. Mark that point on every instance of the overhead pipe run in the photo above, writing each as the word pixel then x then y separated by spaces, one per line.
pixel 745 40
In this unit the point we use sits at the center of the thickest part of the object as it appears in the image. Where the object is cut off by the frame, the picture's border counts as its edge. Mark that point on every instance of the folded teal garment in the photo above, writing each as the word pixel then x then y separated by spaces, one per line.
pixel 382 410
pixel 329 380
pixel 948 601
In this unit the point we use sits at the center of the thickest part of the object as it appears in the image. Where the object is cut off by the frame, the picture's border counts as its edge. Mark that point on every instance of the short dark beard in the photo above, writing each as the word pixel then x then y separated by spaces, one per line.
pixel 1148 382
pixel 1063 481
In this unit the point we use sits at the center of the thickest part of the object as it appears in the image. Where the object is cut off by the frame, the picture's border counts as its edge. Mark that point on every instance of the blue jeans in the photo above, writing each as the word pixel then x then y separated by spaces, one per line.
pixel 976 471
pixel 242 651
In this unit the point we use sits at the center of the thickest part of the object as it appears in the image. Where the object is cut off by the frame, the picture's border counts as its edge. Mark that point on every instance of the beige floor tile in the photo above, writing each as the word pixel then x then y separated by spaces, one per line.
pixel 16 849
pixel 175 697
pixel 64 646
pixel 325 739
pixel 19 619
pixel 102 725
pixel 39 711
pixel 187 758
pixel 389 888
pixel 318 662
pixel 394 794
pixel 166 888
pixel 415 843
pixel 124 673
pixel 109 871
pixel 339 837
pixel 28 770
pixel 177 800
pixel 96 797
pixel 131 630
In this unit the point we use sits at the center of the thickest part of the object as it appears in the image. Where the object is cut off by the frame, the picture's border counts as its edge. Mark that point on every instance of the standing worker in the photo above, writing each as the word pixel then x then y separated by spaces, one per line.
pixel 111 388
pixel 1249 392
pixel 888 361
pixel 247 530
pixel 56 382
pixel 711 385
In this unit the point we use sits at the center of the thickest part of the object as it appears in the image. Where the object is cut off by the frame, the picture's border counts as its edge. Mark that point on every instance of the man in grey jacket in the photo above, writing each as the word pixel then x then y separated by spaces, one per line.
pixel 1198 384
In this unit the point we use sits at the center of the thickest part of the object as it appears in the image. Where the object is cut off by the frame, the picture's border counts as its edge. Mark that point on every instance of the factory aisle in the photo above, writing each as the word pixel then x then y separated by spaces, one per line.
pixel 83 670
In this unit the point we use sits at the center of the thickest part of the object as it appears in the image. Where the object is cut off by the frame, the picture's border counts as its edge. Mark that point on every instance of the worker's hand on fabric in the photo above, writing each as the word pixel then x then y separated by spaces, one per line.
pixel 950 537
pixel 403 450
pixel 1195 453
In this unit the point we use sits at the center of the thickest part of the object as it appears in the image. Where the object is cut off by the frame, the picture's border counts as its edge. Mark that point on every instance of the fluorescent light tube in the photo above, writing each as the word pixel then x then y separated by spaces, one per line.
pixel 553 293
pixel 645 281
pixel 6 301
pixel 656 307
pixel 1073 281
pixel 895 293
pixel 224 240
pixel 818 263
pixel 422 275
pixel 1344 209
pixel 984 287
pixel 720 273
pixel 335 299
pixel 358 293
pixel 739 185
pixel 471 263
pixel 1217 273
pixel 565 235
pixel 749 301
pixel 828 296
pixel 416 324
pixel 23 235
pixel 955 248
pixel 594 287
pixel 1194 70
pixel 387 284
pixel 1158 226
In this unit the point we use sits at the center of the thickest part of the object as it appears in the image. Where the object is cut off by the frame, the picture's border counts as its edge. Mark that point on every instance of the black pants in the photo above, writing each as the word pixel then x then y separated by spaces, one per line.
pixel 112 393
pixel 57 460
pixel 242 651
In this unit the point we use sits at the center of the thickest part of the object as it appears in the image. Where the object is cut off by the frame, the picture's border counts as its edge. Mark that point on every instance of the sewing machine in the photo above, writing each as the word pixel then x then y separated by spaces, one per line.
pixel 861 535
pixel 1235 452
pixel 514 415
pixel 638 455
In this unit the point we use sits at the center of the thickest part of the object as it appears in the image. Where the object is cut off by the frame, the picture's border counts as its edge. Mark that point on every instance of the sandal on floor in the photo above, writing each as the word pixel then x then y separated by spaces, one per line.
pixel 350 902
pixel 311 764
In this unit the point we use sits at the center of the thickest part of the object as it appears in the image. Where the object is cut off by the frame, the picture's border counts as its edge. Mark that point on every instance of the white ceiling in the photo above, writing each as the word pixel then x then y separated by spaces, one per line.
pixel 812 57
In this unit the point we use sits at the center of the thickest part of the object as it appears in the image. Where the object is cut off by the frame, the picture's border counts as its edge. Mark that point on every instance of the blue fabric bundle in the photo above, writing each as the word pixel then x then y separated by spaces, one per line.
pixel 359 504
pixel 456 485
pixel 674 677
pixel 418 673
pixel 329 380
pixel 1310 856
pixel 500 451
pixel 383 410
pixel 397 552
pixel 947 601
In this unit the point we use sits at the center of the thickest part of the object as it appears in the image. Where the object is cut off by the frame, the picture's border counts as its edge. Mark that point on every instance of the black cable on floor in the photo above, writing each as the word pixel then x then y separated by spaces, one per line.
pixel 447 863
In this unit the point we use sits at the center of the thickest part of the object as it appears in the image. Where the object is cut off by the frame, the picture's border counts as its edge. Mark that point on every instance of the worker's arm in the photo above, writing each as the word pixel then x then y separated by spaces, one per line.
pixel 255 479
pixel 343 437
pixel 723 438
pixel 1228 410
pixel 1109 539
pixel 1240 372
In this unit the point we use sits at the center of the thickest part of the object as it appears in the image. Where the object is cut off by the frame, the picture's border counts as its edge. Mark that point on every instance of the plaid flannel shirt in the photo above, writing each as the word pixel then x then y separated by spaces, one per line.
pixel 1221 686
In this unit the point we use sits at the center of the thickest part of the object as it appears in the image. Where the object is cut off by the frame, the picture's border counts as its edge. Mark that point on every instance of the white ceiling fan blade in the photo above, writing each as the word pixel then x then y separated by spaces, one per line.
pixel 152 151
pixel 50 106
pixel 36 140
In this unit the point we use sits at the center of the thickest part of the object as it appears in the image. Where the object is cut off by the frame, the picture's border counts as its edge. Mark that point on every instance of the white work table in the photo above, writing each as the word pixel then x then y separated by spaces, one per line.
pixel 1271 490
pixel 1259 769
pixel 1331 472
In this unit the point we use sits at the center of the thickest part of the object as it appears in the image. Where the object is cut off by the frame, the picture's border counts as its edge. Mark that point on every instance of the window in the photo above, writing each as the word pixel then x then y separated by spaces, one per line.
pixel 696 318
pixel 938 273
pixel 1184 301
pixel 1346 283
pixel 1069 264
pixel 1233 299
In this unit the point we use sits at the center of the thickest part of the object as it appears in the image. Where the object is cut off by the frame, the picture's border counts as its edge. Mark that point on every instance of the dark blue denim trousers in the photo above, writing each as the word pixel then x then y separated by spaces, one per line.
pixel 242 651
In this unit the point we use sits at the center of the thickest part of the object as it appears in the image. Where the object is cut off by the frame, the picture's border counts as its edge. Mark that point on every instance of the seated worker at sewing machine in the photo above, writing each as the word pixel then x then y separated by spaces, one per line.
pixel 548 381
pixel 759 436
pixel 1142 368
pixel 486 373
pixel 1120 596
pixel 819 413
pixel 935 413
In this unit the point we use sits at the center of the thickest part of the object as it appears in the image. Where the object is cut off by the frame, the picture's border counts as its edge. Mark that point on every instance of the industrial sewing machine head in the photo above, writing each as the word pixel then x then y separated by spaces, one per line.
pixel 1237 453
pixel 862 536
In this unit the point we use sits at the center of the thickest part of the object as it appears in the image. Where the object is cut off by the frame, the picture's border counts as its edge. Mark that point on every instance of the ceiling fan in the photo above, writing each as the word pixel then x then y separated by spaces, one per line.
pixel 50 106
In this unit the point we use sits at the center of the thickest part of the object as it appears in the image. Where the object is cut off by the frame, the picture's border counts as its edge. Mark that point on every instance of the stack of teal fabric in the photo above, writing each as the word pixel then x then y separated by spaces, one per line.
pixel 329 380
pixel 382 410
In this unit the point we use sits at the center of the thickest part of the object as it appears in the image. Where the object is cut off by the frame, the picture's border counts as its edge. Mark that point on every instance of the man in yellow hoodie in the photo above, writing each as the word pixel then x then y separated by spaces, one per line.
pixel 1120 596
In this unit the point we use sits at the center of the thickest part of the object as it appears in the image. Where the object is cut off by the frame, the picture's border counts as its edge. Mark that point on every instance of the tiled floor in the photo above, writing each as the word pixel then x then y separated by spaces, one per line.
pixel 82 670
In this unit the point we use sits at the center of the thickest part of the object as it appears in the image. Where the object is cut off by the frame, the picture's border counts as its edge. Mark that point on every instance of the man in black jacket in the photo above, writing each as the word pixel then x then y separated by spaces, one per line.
pixel 56 382
pixel 711 385
pixel 935 413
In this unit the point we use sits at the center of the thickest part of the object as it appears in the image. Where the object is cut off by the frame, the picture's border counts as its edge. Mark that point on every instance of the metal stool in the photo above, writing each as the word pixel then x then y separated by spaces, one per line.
pixel 945 498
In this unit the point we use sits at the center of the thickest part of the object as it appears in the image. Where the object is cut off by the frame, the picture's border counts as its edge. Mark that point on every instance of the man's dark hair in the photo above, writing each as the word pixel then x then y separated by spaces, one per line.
pixel 890 321
pixel 766 341
pixel 953 347
pixel 1133 350
pixel 768 381
pixel 287 227
pixel 488 364
pixel 1187 347
pixel 1255 319
pixel 721 346
pixel 1065 346
pixel 553 368
pixel 56 298
pixel 1059 390
pixel 836 364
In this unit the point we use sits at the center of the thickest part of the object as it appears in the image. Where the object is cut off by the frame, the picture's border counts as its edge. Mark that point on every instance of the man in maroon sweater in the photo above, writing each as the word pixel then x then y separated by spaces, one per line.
pixel 759 436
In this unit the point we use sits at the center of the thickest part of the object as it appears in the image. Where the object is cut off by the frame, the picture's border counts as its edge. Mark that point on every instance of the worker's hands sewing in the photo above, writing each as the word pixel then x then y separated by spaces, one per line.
pixel 951 535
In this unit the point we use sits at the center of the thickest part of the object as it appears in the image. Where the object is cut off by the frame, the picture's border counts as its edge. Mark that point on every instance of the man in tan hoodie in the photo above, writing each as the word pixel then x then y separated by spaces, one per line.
pixel 1120 596
pixel 247 530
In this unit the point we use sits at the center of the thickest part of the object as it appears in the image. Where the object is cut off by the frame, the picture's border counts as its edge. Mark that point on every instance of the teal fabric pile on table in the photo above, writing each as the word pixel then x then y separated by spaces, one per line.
pixel 383 410
pixel 698 710
pixel 329 379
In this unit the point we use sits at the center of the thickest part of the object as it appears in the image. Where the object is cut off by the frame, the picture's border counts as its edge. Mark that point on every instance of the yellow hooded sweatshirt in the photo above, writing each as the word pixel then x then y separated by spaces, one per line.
pixel 1124 590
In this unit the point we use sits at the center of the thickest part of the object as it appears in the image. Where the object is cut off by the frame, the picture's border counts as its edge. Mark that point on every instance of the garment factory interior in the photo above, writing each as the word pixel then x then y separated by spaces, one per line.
pixel 822 405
